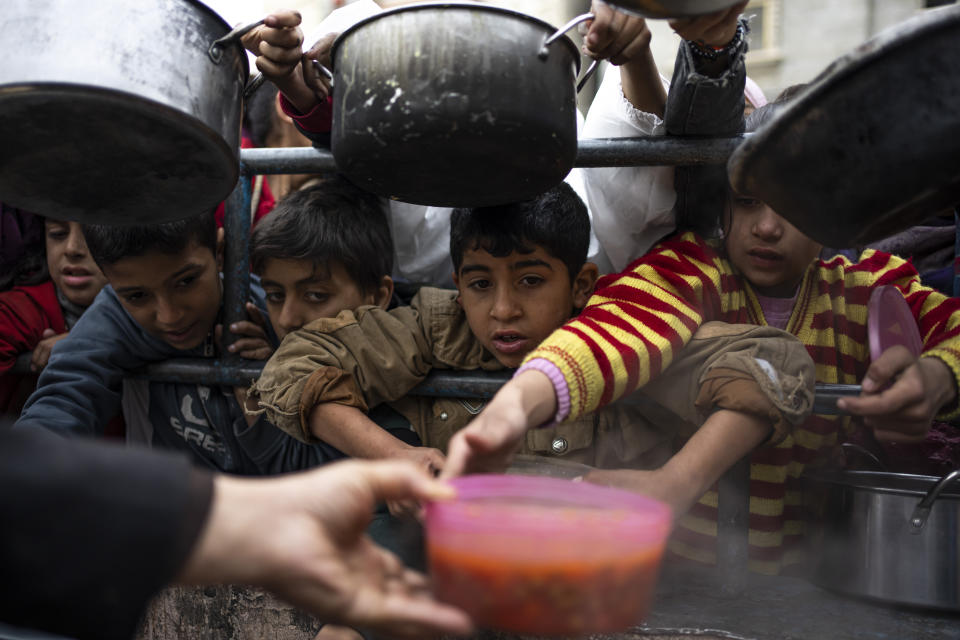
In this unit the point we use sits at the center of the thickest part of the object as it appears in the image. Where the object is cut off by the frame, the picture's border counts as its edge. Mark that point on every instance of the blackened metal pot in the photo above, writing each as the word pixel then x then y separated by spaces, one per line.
pixel 116 111
pixel 454 105
pixel 885 536
pixel 869 148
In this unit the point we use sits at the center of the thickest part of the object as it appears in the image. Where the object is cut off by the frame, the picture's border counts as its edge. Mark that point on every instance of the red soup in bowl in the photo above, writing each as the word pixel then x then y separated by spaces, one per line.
pixel 546 556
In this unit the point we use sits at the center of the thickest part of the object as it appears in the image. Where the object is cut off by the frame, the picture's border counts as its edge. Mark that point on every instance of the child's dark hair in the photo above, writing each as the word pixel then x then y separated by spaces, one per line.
pixel 109 244
pixel 556 220
pixel 258 114
pixel 334 220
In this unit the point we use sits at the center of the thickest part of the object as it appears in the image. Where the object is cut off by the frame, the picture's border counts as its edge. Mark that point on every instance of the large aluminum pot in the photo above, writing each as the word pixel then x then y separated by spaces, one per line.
pixel 116 111
pixel 887 536
pixel 451 104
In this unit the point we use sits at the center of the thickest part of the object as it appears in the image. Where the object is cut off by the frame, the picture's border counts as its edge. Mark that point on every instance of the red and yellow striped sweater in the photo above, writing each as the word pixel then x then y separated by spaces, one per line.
pixel 637 320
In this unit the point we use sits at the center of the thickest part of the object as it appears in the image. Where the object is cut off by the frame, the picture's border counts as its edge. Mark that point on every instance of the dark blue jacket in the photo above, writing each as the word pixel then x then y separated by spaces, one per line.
pixel 81 388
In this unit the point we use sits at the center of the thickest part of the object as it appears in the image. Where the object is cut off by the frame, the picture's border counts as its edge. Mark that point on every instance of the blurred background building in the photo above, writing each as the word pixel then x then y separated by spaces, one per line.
pixel 791 40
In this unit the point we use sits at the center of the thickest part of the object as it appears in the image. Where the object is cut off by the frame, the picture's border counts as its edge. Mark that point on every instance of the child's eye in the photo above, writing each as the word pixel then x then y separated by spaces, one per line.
pixel 317 297
pixel 531 281
pixel 135 298
pixel 746 202
pixel 187 281
pixel 480 285
pixel 57 235
pixel 275 297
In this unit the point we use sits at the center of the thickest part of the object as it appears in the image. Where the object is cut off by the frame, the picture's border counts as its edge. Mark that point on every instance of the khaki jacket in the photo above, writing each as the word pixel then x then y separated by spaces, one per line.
pixel 365 357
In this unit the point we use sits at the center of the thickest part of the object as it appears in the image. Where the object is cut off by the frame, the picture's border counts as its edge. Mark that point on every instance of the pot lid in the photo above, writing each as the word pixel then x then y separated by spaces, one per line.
pixel 869 148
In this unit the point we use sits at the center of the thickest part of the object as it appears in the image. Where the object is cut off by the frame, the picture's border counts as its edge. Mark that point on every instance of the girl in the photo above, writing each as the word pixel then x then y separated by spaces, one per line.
pixel 33 317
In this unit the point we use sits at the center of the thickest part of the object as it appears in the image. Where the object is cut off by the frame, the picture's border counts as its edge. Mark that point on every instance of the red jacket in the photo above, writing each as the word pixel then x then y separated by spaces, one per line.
pixel 25 313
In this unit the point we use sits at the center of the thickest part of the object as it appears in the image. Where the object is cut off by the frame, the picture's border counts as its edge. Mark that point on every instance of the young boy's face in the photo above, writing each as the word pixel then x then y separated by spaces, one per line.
pixel 175 298
pixel 513 303
pixel 71 267
pixel 299 292
pixel 769 251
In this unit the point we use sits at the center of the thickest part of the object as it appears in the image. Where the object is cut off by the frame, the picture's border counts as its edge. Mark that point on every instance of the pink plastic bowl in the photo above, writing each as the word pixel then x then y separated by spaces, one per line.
pixel 546 556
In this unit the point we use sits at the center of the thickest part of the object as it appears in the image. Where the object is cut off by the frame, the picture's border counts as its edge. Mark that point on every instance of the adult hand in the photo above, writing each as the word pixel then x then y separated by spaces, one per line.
pixel 41 352
pixel 302 537
pixel 277 44
pixel 918 388
pixel 615 36
pixel 488 443
pixel 253 344
pixel 715 29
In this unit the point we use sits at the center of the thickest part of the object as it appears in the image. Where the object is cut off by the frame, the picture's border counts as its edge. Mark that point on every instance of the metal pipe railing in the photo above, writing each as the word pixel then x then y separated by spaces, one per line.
pixel 438 383
pixel 593 152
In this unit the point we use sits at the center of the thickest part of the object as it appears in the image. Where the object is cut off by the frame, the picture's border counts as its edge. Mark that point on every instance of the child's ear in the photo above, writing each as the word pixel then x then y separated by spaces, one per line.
pixel 384 293
pixel 583 284
pixel 456 283
pixel 220 245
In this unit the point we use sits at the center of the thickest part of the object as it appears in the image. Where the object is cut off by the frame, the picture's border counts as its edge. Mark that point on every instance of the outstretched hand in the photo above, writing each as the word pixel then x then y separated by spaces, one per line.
pixel 302 536
pixel 488 443
pixel 902 394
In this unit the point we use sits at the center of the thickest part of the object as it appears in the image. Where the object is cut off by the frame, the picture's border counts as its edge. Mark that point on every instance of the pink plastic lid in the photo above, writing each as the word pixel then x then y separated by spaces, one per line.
pixel 890 322
pixel 530 515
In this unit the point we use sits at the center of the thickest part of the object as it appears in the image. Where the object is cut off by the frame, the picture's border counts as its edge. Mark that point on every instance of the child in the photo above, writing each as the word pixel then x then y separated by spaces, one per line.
pixel 520 271
pixel 163 301
pixel 327 249
pixel 34 317
pixel 324 249
pixel 763 272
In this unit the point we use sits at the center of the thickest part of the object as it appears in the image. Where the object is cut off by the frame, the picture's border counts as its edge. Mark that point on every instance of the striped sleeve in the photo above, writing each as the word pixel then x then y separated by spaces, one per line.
pixel 635 322
pixel 938 316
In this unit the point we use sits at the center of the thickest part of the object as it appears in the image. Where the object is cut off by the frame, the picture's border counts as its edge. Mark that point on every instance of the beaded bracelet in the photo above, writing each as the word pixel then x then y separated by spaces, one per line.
pixel 711 52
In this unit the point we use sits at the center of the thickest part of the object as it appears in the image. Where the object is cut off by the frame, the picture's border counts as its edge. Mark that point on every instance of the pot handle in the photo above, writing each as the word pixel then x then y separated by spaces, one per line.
pixel 544 52
pixel 874 458
pixel 215 51
pixel 922 511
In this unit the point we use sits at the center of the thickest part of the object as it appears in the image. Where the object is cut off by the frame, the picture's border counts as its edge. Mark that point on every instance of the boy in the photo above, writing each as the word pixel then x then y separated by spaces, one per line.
pixel 324 249
pixel 163 301
pixel 763 272
pixel 520 272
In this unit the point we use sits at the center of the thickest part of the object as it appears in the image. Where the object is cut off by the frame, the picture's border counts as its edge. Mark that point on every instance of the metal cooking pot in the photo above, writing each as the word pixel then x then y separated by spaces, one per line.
pixel 671 8
pixel 454 105
pixel 869 148
pixel 117 111
pixel 887 536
